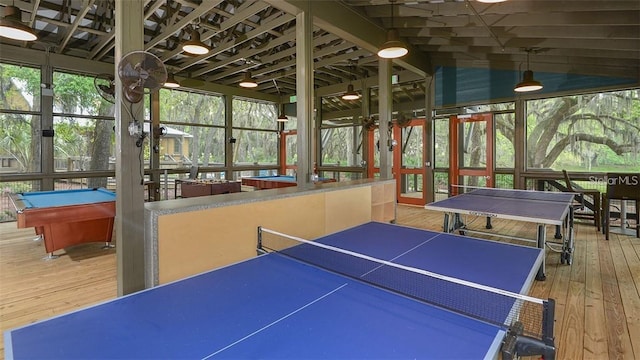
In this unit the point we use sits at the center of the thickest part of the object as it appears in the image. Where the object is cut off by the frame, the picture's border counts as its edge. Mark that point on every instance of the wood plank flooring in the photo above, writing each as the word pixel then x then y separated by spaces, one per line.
pixel 597 297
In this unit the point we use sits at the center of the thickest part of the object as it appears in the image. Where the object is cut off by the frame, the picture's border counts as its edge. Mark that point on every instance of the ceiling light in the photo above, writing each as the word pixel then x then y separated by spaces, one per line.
pixel 491 1
pixel 393 48
pixel 247 81
pixel 171 82
pixel 350 94
pixel 12 27
pixel 282 117
pixel 194 45
pixel 528 83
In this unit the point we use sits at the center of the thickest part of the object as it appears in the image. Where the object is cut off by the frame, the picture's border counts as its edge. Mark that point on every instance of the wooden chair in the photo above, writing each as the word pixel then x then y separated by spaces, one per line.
pixel 621 187
pixel 594 203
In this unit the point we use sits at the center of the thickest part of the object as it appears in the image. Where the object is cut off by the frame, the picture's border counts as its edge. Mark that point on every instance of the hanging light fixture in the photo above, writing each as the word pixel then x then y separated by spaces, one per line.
pixel 12 27
pixel 528 83
pixel 282 117
pixel 491 1
pixel 247 81
pixel 393 48
pixel 351 94
pixel 195 46
pixel 171 82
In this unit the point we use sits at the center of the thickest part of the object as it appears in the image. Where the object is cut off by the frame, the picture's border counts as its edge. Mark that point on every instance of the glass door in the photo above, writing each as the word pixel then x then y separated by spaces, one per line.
pixel 373 153
pixel 471 151
pixel 408 162
pixel 288 152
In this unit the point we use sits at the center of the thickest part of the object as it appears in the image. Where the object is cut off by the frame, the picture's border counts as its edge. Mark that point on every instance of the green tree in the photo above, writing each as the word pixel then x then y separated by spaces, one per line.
pixel 76 94
pixel 20 91
pixel 584 129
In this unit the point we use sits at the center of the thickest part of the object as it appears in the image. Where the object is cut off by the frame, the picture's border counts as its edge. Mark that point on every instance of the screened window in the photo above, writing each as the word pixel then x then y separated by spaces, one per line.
pixel 412 147
pixel 195 129
pixel 254 115
pixel 255 147
pixel 441 142
pixel 597 132
pixel 19 143
pixel 82 144
pixel 342 146
pixel 83 123
pixel 20 88
pixel 505 148
pixel 20 127
pixel 255 133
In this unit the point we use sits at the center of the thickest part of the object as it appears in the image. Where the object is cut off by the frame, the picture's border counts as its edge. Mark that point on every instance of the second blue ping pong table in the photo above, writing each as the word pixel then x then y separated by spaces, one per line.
pixel 372 291
pixel 539 207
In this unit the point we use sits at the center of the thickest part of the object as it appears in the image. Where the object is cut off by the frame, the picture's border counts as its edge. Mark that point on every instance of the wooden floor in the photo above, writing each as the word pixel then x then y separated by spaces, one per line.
pixel 597 297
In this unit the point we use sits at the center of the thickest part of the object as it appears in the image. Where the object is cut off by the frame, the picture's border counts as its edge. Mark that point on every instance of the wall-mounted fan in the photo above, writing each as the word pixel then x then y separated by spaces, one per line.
pixel 140 70
pixel 402 120
pixel 105 86
pixel 369 123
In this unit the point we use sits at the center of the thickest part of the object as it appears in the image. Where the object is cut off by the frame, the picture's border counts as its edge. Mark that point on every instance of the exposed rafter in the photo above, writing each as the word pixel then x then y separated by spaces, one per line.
pixel 588 37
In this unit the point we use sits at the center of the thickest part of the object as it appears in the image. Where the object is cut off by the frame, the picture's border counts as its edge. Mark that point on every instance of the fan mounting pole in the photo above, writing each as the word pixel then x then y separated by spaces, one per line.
pixel 129 37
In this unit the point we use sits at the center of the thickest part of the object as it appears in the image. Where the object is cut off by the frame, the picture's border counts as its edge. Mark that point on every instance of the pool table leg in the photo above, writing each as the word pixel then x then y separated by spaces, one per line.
pixel 50 256
pixel 39 233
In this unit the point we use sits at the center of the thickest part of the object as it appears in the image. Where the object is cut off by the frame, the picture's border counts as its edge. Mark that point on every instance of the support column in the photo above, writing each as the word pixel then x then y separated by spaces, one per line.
pixel 385 109
pixel 154 143
pixel 429 128
pixel 46 145
pixel 316 127
pixel 304 94
pixel 228 132
pixel 520 145
pixel 366 113
pixel 130 194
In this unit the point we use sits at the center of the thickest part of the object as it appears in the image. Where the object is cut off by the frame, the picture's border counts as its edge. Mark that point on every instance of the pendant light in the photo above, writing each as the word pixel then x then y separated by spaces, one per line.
pixel 195 46
pixel 247 81
pixel 393 48
pixel 171 82
pixel 528 83
pixel 282 117
pixel 12 27
pixel 351 94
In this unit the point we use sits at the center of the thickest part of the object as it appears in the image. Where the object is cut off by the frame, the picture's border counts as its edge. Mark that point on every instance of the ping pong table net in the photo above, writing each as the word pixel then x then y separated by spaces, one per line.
pixel 527 321
pixel 545 196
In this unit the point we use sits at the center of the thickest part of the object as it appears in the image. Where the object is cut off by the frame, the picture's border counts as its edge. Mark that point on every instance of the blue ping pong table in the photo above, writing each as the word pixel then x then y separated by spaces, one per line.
pixel 539 207
pixel 276 306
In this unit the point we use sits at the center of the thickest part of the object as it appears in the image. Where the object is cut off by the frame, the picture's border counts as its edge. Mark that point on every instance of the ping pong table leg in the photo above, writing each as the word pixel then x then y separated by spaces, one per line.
pixel 458 223
pixel 541 245
pixel 452 222
pixel 445 225
pixel 558 232
pixel 569 240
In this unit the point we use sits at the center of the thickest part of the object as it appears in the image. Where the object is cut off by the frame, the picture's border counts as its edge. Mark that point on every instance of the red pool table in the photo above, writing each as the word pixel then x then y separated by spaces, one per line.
pixel 67 217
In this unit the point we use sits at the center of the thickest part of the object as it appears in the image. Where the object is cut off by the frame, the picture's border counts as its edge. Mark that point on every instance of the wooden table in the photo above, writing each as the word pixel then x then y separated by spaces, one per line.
pixel 193 188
